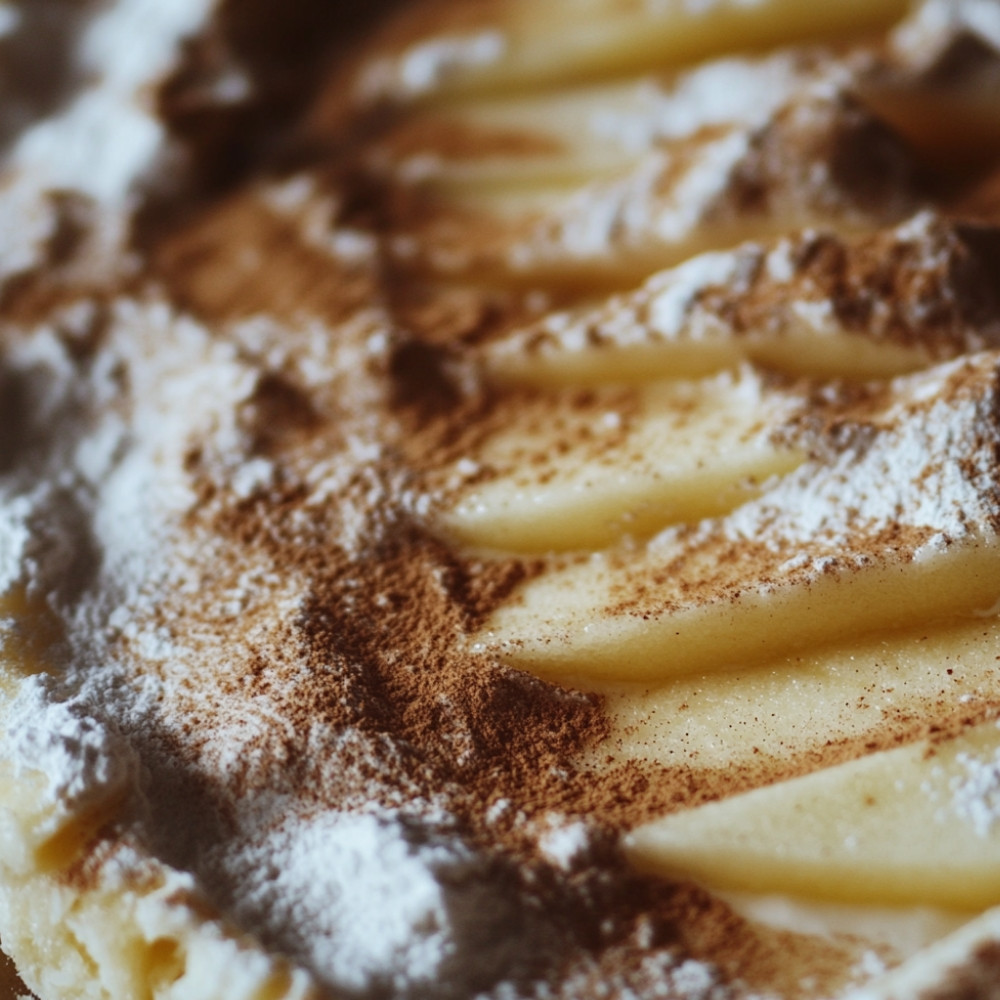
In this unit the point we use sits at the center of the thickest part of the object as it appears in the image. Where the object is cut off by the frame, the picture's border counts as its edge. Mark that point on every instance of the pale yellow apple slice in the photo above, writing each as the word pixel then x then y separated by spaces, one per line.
pixel 714 189
pixel 863 689
pixel 841 546
pixel 916 824
pixel 504 45
pixel 814 303
pixel 660 614
pixel 583 133
pixel 581 473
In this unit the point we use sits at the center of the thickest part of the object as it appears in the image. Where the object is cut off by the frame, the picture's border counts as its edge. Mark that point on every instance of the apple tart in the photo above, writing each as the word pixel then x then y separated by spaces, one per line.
pixel 503 503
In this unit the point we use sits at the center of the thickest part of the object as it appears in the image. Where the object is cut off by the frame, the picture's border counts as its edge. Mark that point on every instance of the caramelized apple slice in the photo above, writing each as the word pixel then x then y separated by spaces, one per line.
pixel 504 45
pixel 842 546
pixel 911 825
pixel 812 303
pixel 587 468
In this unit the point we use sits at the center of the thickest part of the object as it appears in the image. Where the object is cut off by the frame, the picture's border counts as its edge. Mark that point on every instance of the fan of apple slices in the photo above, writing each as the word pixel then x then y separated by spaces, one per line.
pixel 895 520
pixel 759 438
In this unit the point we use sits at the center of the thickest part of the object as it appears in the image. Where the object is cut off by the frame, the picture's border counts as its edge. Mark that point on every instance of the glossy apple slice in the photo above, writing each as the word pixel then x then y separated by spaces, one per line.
pixel 586 469
pixel 913 825
pixel 840 547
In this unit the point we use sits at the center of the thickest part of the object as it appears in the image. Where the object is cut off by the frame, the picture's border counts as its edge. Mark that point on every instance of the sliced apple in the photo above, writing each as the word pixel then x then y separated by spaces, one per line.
pixel 586 132
pixel 839 547
pixel 506 45
pixel 654 616
pixel 812 303
pixel 911 825
pixel 787 708
pixel 578 475
pixel 714 189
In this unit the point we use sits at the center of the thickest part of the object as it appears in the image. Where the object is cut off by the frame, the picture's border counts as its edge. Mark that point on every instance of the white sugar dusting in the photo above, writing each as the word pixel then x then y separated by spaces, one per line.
pixel 427 65
pixel 976 792
pixel 83 762
pixel 86 164
pixel 723 92
pixel 355 896
pixel 627 215
pixel 108 136
pixel 937 22
pixel 564 843
pixel 700 302
pixel 900 477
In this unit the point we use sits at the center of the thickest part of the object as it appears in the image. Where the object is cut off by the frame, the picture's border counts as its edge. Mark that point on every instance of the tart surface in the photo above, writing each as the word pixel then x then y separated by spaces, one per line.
pixel 528 529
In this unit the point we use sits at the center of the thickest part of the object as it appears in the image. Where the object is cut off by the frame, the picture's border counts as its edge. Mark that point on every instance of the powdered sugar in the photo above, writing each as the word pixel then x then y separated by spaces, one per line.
pixel 83 763
pixel 939 20
pixel 427 65
pixel 107 138
pixel 976 793
pixel 895 477
pixel 626 215
pixel 82 167
pixel 733 304
pixel 364 903
pixel 721 92
pixel 15 540
pixel 564 843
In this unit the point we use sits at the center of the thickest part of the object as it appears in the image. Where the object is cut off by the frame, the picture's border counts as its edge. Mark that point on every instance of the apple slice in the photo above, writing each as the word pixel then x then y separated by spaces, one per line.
pixel 501 46
pixel 787 709
pixel 714 189
pixel 812 303
pixel 914 825
pixel 896 525
pixel 583 133
pixel 581 473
